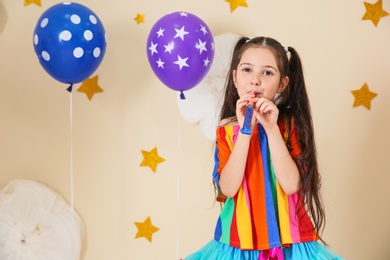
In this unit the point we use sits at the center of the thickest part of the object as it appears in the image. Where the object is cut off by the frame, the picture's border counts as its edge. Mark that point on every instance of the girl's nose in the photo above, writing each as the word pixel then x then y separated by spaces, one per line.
pixel 255 81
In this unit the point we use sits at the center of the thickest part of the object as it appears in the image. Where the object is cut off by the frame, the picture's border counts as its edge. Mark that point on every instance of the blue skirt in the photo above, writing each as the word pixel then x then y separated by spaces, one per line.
pixel 215 250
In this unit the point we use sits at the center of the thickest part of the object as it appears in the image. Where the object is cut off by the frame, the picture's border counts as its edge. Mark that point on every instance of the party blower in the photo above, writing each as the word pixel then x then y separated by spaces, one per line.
pixel 246 128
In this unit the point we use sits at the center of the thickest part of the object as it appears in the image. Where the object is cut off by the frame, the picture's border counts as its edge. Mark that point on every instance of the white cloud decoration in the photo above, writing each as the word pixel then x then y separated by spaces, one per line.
pixel 37 224
pixel 203 102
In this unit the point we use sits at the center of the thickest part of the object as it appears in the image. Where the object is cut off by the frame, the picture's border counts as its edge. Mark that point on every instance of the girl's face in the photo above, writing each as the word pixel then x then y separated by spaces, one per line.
pixel 258 73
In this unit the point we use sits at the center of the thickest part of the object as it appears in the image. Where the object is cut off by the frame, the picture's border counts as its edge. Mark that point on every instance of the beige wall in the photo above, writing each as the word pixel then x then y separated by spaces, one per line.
pixel 136 112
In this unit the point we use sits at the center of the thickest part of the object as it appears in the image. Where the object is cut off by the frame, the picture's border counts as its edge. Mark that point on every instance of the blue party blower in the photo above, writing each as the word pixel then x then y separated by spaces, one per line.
pixel 246 128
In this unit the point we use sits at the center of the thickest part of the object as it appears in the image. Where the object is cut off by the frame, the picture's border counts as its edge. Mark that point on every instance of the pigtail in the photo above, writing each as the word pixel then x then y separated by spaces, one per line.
pixel 297 106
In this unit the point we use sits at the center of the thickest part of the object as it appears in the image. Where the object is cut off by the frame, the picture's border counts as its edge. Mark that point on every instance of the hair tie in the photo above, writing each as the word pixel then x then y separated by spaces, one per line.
pixel 286 49
pixel 247 40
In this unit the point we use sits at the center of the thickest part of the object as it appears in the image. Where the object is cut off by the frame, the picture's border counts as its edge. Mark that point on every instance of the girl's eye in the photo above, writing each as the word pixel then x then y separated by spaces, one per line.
pixel 268 73
pixel 246 70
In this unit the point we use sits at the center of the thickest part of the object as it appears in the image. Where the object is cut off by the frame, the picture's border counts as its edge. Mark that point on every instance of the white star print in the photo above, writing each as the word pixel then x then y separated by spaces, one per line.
pixel 180 33
pixel 160 32
pixel 152 48
pixel 206 62
pixel 169 47
pixel 183 14
pixel 181 62
pixel 160 63
pixel 203 29
pixel 201 46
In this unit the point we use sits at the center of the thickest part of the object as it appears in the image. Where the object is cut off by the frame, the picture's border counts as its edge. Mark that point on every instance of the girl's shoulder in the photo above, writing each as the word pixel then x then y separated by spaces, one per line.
pixel 230 121
pixel 228 128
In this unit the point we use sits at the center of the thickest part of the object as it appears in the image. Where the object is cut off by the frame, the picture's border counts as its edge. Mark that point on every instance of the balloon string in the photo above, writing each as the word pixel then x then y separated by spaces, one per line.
pixel 71 158
pixel 178 195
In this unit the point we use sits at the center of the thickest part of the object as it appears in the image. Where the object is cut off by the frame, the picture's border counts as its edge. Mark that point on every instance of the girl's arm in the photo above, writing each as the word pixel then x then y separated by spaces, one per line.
pixel 233 172
pixel 286 170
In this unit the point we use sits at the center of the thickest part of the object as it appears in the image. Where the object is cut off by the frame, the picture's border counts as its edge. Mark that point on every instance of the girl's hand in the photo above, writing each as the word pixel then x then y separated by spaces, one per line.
pixel 266 112
pixel 241 105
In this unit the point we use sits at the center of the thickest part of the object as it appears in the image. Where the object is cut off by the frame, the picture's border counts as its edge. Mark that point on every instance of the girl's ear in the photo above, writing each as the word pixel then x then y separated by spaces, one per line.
pixel 283 84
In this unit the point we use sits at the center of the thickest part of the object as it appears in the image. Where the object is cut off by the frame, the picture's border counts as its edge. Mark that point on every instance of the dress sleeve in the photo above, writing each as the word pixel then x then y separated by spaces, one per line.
pixel 295 149
pixel 291 138
pixel 221 155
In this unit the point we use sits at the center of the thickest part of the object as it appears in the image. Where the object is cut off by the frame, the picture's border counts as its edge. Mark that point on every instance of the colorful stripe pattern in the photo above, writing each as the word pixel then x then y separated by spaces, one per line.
pixel 260 216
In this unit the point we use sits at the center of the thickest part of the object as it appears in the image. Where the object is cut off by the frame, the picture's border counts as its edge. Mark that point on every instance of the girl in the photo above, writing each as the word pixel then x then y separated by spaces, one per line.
pixel 268 179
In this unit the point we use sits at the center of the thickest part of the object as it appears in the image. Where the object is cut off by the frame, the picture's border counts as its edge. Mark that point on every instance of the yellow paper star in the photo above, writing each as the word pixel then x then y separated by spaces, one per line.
pixel 363 96
pixel 37 230
pixel 90 87
pixel 140 18
pixel 28 2
pixel 374 12
pixel 236 3
pixel 151 159
pixel 146 229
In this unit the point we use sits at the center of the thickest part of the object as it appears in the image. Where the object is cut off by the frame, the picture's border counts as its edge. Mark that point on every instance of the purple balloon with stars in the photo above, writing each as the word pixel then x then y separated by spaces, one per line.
pixel 180 50
pixel 70 42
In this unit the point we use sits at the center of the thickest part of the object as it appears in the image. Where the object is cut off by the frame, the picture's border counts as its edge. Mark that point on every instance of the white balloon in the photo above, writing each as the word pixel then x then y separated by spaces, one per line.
pixel 203 102
pixel 36 223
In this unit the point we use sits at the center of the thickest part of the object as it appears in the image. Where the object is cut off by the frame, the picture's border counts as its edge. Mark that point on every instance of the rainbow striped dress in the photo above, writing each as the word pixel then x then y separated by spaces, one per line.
pixel 260 216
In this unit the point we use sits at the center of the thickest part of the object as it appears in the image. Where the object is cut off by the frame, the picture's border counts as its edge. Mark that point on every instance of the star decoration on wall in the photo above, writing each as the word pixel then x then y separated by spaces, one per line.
pixel 236 3
pixel 140 18
pixel 90 87
pixel 146 229
pixel 151 159
pixel 363 96
pixel 374 12
pixel 28 2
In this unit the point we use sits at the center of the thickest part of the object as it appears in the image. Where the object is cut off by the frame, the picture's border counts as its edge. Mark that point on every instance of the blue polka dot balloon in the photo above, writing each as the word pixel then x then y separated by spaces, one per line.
pixel 69 40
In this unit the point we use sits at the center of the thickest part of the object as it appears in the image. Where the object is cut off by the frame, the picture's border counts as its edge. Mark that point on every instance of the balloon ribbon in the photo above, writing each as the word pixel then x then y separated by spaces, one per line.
pixel 275 253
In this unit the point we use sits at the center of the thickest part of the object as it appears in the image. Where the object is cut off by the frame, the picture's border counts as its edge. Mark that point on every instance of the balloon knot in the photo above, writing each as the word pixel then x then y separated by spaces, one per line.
pixel 70 88
pixel 182 95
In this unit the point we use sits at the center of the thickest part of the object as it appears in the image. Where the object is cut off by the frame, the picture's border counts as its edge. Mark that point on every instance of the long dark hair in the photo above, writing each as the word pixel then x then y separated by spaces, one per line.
pixel 293 104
